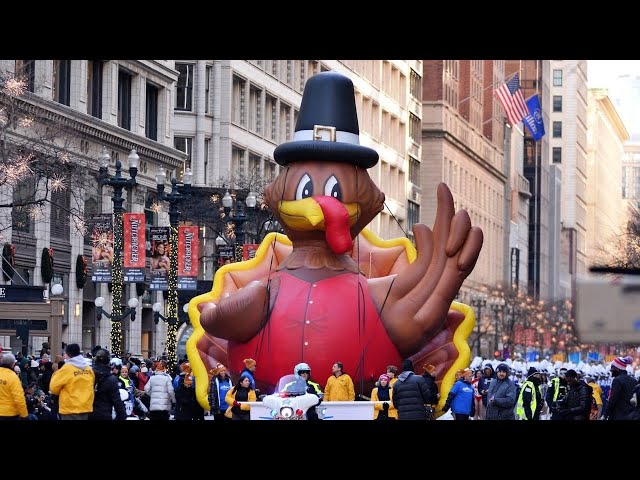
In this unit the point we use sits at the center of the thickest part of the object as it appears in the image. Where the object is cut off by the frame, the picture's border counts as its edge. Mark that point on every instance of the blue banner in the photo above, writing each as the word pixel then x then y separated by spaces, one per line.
pixel 533 121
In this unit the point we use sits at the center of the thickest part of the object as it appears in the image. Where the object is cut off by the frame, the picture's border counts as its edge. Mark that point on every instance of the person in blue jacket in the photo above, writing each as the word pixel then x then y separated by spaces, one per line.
pixel 460 399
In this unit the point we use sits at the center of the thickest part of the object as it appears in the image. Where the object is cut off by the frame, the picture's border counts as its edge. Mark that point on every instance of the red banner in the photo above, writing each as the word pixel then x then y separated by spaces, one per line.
pixel 249 250
pixel 518 333
pixel 134 247
pixel 530 336
pixel 546 339
pixel 188 258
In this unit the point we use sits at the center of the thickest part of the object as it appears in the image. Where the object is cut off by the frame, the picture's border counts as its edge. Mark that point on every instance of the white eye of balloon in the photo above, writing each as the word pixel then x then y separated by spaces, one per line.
pixel 305 187
pixel 332 188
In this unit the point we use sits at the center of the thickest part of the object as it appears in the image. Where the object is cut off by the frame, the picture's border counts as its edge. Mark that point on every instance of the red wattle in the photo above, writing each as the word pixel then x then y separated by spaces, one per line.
pixel 336 223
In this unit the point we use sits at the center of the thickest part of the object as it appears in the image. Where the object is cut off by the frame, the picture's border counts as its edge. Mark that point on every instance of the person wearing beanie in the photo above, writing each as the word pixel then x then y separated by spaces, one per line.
pixel 219 386
pixel 619 404
pixel 460 399
pixel 339 386
pixel 161 393
pixel 382 392
pixel 483 384
pixel 74 383
pixel 529 402
pixel 249 370
pixel 107 399
pixel 410 394
pixel 13 403
pixel 502 396
pixel 430 377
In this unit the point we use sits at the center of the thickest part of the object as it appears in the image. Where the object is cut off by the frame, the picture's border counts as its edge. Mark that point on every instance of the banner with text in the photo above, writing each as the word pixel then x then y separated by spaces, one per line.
pixel 225 254
pixel 134 247
pixel 188 258
pixel 101 247
pixel 159 258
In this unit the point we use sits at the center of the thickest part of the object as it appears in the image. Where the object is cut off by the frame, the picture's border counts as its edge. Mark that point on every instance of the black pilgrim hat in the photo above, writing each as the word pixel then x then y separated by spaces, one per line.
pixel 327 126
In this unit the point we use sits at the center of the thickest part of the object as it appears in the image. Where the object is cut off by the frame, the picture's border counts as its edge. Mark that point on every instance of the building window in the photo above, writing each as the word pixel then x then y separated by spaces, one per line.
pixel 415 81
pixel 184 145
pixel 255 110
pixel 557 103
pixel 62 81
pixel 413 216
pixel 557 129
pixel 207 147
pixel 151 123
pixel 414 171
pixel 557 78
pixel 285 122
pixel 289 77
pixel 124 99
pixel 22 215
pixel 414 128
pixel 557 154
pixel 237 163
pixel 238 102
pixel 184 87
pixel 270 118
pixel 60 207
pixel 94 88
pixel 254 165
pixel 26 70
pixel 207 88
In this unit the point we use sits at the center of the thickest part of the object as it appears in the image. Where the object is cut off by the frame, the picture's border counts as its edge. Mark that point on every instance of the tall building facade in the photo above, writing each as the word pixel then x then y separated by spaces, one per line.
pixel 463 145
pixel 233 113
pixel 606 215
pixel 119 105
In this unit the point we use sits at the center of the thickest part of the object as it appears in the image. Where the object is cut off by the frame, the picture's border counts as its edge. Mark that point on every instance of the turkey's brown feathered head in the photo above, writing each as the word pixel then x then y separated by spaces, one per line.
pixel 331 201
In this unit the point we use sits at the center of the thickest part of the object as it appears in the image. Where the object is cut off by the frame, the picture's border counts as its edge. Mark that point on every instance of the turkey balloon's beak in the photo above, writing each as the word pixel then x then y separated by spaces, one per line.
pixel 306 215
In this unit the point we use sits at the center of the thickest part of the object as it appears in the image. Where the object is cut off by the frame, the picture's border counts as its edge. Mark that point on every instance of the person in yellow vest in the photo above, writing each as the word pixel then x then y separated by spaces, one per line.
pixel 74 383
pixel 339 386
pixel 13 403
pixel 556 391
pixel 530 400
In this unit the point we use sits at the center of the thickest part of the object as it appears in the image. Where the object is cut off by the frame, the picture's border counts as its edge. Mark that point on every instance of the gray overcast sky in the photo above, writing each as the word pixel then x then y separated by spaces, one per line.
pixel 601 73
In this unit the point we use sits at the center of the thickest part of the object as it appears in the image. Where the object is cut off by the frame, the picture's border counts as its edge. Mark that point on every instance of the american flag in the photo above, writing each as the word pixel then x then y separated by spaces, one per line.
pixel 512 100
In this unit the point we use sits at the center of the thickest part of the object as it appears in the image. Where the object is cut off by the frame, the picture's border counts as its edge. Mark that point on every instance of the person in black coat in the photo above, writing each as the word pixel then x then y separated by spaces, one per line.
pixel 410 394
pixel 107 392
pixel 576 404
pixel 619 406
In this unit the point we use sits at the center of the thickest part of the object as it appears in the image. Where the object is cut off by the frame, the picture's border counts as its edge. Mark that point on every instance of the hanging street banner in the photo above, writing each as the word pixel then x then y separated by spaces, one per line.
pixel 188 258
pixel 225 254
pixel 101 247
pixel 159 258
pixel 135 259
pixel 249 250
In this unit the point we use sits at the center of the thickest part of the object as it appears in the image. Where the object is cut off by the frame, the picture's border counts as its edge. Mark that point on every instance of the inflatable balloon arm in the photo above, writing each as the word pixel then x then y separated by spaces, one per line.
pixel 421 295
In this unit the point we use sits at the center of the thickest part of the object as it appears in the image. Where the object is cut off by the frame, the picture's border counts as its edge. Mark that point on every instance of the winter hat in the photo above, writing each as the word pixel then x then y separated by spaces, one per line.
pixel 144 369
pixel 621 363
pixel 407 365
pixel 532 371
pixel 34 364
pixel 572 374
pixel 384 376
pixel 249 362
pixel 17 369
pixel 429 368
pixel 503 366
pixel 73 350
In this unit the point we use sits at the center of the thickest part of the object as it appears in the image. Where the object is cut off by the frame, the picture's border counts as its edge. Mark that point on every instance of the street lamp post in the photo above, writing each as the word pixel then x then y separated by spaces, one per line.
pixel 129 311
pixel 497 305
pixel 238 218
pixel 174 198
pixel 478 300
pixel 118 182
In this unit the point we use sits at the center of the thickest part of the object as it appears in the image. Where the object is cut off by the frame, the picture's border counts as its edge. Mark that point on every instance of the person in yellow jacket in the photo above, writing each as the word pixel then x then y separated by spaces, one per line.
pixel 13 403
pixel 74 384
pixel 597 396
pixel 383 393
pixel 236 396
pixel 339 387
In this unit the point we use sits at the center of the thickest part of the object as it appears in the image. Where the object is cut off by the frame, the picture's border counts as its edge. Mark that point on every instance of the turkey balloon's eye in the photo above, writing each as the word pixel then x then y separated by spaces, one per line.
pixel 305 187
pixel 332 188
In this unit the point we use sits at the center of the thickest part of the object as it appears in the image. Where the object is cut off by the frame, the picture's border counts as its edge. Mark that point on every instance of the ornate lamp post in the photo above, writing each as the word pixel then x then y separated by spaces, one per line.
pixel 478 300
pixel 497 304
pixel 118 182
pixel 238 218
pixel 174 198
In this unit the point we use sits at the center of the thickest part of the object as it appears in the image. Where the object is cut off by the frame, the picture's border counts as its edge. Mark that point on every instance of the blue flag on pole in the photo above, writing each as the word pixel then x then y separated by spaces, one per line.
pixel 533 121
